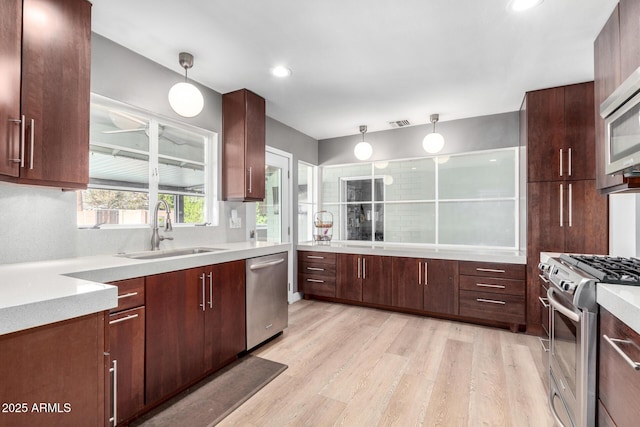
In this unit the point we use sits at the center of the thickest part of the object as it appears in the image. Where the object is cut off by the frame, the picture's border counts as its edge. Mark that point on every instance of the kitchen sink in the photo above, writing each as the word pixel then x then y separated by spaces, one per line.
pixel 170 253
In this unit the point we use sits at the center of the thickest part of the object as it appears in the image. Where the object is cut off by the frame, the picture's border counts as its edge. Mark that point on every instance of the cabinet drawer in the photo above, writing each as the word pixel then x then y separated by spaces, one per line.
pixel 619 383
pixel 130 293
pixel 493 285
pixel 317 285
pixel 317 257
pixel 493 269
pixel 487 305
pixel 317 269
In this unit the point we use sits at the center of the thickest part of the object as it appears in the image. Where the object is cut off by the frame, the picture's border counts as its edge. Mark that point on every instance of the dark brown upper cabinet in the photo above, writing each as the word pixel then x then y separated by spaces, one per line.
pixel 44 128
pixel 243 146
pixel 560 133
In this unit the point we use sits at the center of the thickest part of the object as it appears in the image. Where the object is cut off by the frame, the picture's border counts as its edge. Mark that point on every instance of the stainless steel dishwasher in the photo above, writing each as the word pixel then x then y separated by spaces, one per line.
pixel 267 312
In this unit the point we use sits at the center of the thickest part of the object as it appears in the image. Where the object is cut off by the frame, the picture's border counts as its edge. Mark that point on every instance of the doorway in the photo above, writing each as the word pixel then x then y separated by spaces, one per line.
pixel 273 215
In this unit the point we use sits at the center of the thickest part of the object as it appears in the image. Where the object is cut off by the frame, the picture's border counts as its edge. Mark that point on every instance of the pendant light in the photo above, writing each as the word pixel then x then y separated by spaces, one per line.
pixel 433 142
pixel 185 98
pixel 363 150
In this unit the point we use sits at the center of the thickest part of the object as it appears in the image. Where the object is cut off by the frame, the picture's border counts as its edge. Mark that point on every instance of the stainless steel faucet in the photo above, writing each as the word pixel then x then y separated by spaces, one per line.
pixel 156 238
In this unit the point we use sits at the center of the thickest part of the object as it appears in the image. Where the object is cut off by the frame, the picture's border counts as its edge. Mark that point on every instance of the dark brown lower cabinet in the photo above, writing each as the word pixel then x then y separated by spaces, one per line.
pixel 225 319
pixel 618 381
pixel 54 375
pixel 365 278
pixel 425 284
pixel 126 340
pixel 195 325
pixel 175 331
pixel 349 277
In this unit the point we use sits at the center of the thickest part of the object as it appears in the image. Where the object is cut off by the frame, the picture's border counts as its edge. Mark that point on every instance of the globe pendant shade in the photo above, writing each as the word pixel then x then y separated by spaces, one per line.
pixel 433 143
pixel 186 99
pixel 363 150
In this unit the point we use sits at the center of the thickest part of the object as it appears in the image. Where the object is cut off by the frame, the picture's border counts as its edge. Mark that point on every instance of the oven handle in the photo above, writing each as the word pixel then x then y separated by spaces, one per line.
pixel 561 308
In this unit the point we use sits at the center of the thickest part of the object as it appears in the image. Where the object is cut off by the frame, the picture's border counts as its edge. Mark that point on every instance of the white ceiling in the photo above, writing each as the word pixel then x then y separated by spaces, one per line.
pixel 366 61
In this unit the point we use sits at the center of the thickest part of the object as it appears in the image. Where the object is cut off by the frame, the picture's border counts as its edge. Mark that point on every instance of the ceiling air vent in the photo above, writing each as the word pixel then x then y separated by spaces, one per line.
pixel 399 123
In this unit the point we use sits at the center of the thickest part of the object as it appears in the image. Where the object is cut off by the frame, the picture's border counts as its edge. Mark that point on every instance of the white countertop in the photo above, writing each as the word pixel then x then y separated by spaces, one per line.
pixel 623 301
pixel 384 249
pixel 38 293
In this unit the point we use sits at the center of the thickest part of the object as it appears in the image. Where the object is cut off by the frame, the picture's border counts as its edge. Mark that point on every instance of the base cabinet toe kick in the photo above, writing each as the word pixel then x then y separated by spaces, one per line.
pixel 480 292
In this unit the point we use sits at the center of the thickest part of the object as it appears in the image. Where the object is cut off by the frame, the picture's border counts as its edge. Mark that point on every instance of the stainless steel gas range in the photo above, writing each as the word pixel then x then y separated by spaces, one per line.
pixel 573 324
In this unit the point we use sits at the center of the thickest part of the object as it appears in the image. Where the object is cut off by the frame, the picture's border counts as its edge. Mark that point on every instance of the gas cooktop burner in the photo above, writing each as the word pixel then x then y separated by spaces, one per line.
pixel 614 270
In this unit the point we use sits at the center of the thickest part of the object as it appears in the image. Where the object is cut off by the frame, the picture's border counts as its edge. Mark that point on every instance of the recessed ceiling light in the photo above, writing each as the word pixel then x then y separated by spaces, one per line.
pixel 281 71
pixel 520 5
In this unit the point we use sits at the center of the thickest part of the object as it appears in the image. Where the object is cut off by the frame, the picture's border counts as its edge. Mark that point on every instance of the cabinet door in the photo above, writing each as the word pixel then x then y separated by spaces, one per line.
pixel 349 277
pixel 607 79
pixel 544 233
pixel 61 363
pixel 10 51
pixel 441 286
pixel 629 36
pixel 586 224
pixel 618 382
pixel 225 315
pixel 255 146
pixel 579 128
pixel 175 331
pixel 376 279
pixel 126 343
pixel 545 134
pixel 56 59
pixel 243 146
pixel 407 284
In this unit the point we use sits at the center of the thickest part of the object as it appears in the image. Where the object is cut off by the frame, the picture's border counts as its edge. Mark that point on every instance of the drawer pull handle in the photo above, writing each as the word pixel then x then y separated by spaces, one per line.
pixel 614 343
pixel 122 319
pixel 544 279
pixel 490 301
pixel 315 257
pixel 490 270
pixel 545 302
pixel 486 285
pixel 315 269
pixel 546 347
pixel 315 280
pixel 130 294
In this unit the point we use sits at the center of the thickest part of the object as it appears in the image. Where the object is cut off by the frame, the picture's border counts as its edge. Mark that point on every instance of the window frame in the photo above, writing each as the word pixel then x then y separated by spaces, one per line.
pixel 375 173
pixel 211 168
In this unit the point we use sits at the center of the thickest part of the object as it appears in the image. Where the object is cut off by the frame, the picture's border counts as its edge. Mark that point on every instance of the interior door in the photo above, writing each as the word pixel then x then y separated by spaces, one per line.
pixel 272 215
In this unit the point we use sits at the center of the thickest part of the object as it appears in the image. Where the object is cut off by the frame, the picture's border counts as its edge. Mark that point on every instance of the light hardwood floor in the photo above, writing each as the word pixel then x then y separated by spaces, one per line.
pixel 354 366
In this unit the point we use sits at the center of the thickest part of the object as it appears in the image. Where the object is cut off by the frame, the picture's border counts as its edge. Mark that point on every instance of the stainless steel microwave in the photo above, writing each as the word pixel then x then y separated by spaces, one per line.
pixel 621 114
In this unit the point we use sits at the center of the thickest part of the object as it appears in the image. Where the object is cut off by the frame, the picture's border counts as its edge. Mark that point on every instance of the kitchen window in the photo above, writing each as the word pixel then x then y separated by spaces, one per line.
pixel 468 199
pixel 137 158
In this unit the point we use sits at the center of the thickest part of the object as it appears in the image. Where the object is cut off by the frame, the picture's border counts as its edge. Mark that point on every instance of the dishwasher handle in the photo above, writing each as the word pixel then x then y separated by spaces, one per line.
pixel 267 264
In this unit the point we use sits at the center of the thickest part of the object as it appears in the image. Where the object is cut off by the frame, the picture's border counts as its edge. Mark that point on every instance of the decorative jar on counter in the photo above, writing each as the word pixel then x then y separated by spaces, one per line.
pixel 322 227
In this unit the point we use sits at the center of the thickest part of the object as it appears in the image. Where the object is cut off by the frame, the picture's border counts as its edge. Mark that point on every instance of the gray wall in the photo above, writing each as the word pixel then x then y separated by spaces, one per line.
pixel 472 134
pixel 39 223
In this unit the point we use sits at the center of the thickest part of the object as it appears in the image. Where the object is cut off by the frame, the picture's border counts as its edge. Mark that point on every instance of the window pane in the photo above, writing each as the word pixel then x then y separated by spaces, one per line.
pixel 119 148
pixel 97 207
pixel 181 158
pixel 331 183
pixel 305 183
pixel 408 179
pixel 410 223
pixel 478 223
pixel 185 209
pixel 478 175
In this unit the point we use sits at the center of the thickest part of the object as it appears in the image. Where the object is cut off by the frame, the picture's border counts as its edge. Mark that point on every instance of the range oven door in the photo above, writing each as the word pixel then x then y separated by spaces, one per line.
pixel 564 356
